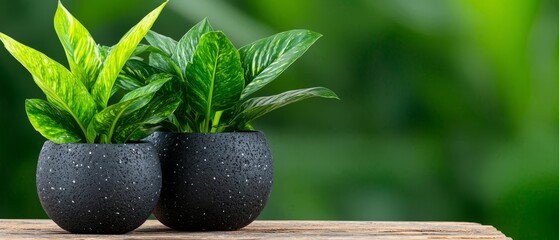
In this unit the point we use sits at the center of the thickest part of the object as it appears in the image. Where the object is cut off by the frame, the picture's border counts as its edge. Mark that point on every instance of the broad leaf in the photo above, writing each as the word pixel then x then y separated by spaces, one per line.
pixel 158 109
pixel 105 122
pixel 53 123
pixel 81 50
pixel 119 55
pixel 166 44
pixel 267 58
pixel 256 107
pixel 59 85
pixel 215 77
pixel 188 43
pixel 138 70
pixel 155 83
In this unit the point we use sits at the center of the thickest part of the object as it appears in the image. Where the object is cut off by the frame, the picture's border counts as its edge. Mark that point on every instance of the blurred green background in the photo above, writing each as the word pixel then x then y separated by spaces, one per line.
pixel 449 109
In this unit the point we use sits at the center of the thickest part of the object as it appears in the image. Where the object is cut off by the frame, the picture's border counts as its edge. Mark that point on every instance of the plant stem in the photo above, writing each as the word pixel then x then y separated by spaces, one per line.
pixel 215 121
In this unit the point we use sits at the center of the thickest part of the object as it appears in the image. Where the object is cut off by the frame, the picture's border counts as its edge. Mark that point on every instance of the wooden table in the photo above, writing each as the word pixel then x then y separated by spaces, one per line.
pixel 152 229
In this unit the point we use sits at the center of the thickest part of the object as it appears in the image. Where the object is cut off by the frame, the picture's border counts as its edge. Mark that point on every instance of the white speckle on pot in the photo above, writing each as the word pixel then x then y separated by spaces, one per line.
pixel 104 155
pixel 69 149
pixel 214 178
pixel 117 213
pixel 89 153
pixel 73 201
pixel 73 181
pixel 51 188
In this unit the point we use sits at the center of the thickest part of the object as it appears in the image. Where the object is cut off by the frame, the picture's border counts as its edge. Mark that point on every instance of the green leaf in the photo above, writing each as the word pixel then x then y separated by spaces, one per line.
pixel 267 58
pixel 59 85
pixel 81 50
pixel 188 43
pixel 215 77
pixel 155 83
pixel 164 43
pixel 118 56
pixel 158 109
pixel 138 70
pixel 256 107
pixel 106 121
pixel 52 122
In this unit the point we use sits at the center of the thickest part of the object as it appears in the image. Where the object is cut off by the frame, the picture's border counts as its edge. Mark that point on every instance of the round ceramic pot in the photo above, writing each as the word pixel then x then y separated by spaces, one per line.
pixel 212 181
pixel 98 188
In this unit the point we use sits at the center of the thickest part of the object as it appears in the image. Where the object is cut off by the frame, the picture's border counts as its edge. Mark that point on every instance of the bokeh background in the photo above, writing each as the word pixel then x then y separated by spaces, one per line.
pixel 449 109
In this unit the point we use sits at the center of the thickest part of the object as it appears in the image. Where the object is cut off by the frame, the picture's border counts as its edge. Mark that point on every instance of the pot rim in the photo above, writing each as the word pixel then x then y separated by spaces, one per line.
pixel 102 144
pixel 216 133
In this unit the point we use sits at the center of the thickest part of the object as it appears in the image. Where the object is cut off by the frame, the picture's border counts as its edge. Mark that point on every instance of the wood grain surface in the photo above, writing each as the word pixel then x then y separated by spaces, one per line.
pixel 152 229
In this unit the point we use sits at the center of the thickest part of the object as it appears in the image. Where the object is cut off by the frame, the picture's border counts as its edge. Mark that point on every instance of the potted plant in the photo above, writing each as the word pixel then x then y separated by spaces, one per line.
pixel 218 171
pixel 93 176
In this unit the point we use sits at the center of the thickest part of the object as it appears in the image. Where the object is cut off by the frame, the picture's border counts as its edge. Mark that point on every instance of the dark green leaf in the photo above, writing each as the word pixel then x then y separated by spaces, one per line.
pixel 118 56
pixel 106 121
pixel 158 109
pixel 256 107
pixel 166 44
pixel 52 122
pixel 81 49
pixel 188 43
pixel 267 58
pixel 215 78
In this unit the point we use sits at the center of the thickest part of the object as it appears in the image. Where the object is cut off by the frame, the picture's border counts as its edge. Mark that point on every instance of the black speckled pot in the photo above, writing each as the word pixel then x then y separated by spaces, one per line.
pixel 98 188
pixel 212 182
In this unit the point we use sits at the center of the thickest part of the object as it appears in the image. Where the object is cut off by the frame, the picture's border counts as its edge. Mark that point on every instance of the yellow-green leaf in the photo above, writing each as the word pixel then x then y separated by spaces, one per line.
pixel 81 50
pixel 60 86
pixel 53 123
pixel 118 56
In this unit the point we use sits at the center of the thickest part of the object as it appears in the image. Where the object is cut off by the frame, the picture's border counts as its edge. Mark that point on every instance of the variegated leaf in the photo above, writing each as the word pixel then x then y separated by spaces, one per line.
pixel 106 122
pixel 215 77
pixel 81 50
pixel 158 109
pixel 188 43
pixel 256 107
pixel 267 58
pixel 166 44
pixel 59 85
pixel 119 55
pixel 52 122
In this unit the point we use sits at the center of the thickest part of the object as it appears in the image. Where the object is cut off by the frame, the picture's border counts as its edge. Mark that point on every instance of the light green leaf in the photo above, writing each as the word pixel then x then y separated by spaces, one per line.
pixel 118 56
pixel 52 122
pixel 188 43
pixel 59 85
pixel 256 107
pixel 106 121
pixel 166 44
pixel 81 50
pixel 267 58
pixel 214 78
